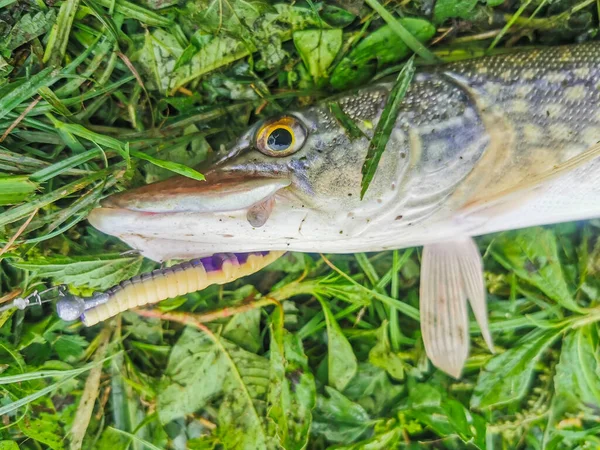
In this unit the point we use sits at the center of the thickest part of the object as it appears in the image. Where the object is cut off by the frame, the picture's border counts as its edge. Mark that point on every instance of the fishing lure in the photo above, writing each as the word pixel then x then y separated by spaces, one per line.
pixel 148 288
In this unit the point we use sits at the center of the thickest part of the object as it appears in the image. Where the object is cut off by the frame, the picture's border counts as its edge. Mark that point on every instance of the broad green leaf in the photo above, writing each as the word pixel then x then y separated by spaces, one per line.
pixel 577 378
pixel 9 445
pixel 202 366
pixel 318 49
pixel 69 347
pixel 242 412
pixel 292 391
pixel 375 50
pixel 373 389
pixel 383 441
pixel 445 416
pixel 382 355
pixel 95 272
pixel 506 377
pixel 195 374
pixel 337 17
pixel 414 44
pixel 233 17
pixel 446 9
pixel 15 189
pixel 341 361
pixel 384 127
pixel 339 419
pixel 533 255
pixel 243 329
pixel 46 430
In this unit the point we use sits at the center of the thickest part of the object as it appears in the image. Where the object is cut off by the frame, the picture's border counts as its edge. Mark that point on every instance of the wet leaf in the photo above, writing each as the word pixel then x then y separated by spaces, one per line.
pixel 506 378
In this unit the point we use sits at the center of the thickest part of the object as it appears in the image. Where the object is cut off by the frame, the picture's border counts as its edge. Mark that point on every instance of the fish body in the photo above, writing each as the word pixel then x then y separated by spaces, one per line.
pixel 478 146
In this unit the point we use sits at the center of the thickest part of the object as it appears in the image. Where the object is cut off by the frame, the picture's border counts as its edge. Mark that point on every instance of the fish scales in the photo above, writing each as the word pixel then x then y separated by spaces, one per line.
pixel 479 146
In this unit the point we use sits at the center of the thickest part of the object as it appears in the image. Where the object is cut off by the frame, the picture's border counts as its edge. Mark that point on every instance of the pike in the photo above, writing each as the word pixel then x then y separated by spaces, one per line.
pixel 479 146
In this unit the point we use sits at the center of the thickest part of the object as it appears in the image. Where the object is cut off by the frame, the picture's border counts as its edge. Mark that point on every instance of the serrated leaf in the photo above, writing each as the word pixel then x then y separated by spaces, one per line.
pixel 506 377
pixel 341 360
pixel 99 272
pixel 533 255
pixel 69 347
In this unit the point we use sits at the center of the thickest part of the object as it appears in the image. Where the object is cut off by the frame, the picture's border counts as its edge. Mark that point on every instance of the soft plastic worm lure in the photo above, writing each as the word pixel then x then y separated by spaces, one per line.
pixel 153 287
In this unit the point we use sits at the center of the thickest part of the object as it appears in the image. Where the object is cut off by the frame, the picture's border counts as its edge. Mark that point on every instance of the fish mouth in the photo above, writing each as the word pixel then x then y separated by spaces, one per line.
pixel 218 193
pixel 183 218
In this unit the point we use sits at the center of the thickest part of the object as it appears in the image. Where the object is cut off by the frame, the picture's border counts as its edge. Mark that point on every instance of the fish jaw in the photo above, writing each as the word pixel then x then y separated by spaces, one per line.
pixel 179 194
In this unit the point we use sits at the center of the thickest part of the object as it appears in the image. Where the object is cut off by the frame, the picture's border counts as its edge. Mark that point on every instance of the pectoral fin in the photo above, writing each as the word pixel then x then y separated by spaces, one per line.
pixel 451 273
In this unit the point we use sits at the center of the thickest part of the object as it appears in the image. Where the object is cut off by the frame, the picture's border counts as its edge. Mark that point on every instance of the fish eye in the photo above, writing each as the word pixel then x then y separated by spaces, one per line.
pixel 281 137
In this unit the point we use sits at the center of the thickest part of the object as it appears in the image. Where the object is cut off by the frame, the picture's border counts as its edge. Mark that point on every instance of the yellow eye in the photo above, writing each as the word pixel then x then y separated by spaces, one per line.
pixel 281 137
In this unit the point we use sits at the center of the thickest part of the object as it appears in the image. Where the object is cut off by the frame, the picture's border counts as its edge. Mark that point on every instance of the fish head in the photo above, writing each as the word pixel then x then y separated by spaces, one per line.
pixel 290 182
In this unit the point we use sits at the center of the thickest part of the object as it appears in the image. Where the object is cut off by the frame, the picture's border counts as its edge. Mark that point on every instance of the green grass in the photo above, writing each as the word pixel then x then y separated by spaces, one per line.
pixel 97 96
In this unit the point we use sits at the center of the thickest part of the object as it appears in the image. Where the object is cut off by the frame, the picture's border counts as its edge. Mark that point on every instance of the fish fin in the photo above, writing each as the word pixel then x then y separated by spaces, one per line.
pixel 535 181
pixel 451 273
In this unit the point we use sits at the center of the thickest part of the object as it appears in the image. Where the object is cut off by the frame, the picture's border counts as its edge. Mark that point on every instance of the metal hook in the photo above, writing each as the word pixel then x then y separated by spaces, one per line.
pixel 35 298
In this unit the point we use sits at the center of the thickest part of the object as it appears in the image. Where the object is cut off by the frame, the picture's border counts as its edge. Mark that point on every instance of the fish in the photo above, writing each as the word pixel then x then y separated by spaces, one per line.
pixel 479 146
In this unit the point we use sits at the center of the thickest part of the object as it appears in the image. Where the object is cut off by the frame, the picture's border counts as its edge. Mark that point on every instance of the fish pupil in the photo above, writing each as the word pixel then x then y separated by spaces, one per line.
pixel 280 139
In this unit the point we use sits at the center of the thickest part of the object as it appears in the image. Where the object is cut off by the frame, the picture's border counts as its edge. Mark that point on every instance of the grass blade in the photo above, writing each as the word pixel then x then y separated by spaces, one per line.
pixel 385 125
